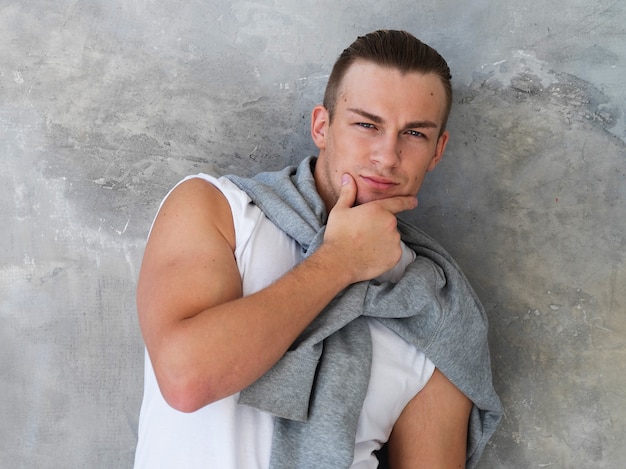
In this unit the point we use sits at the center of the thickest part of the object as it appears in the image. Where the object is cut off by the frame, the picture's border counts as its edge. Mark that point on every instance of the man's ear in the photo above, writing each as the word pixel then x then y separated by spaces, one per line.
pixel 439 149
pixel 319 125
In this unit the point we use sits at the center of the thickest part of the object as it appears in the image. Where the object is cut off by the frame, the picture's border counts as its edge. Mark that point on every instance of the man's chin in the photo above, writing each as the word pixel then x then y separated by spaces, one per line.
pixel 365 200
pixel 360 200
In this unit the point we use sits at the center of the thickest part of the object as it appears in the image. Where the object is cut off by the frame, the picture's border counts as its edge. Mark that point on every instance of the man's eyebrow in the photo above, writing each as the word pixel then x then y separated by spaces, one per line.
pixel 409 125
pixel 368 115
pixel 421 125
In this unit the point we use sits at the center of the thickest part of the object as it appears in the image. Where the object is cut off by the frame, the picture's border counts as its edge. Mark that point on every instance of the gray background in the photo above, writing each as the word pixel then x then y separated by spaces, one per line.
pixel 105 104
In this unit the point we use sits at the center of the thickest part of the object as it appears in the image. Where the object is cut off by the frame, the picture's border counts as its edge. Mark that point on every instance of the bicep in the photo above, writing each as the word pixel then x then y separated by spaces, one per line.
pixel 188 264
pixel 431 431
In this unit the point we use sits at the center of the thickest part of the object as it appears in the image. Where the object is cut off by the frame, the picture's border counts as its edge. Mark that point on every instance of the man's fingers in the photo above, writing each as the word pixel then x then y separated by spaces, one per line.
pixel 347 194
pixel 398 204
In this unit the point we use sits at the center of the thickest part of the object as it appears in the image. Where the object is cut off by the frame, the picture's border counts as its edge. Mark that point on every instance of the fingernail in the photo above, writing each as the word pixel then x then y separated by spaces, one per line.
pixel 344 179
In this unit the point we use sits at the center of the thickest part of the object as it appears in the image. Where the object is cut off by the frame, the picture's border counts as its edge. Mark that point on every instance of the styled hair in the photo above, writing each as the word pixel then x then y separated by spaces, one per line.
pixel 392 49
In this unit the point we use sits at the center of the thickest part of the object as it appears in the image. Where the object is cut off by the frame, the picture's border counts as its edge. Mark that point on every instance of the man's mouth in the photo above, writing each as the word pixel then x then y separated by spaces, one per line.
pixel 378 183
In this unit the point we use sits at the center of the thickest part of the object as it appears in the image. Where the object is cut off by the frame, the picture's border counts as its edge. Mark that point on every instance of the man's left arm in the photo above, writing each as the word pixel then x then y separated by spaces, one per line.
pixel 431 431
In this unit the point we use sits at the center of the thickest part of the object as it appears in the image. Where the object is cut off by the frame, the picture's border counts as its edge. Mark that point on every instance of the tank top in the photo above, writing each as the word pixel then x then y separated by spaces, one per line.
pixel 226 435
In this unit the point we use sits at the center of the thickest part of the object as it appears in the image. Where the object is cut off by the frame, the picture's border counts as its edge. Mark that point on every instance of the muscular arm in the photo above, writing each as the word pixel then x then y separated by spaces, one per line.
pixel 431 432
pixel 205 340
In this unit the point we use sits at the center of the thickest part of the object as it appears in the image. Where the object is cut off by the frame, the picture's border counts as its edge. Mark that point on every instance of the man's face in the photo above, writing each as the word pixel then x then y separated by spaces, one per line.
pixel 384 133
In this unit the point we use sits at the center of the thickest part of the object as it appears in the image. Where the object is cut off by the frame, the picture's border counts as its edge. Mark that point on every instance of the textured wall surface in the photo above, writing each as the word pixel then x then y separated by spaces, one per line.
pixel 105 104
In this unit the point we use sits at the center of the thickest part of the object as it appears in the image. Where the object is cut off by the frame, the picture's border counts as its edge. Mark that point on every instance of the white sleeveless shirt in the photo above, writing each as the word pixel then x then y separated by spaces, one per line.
pixel 226 435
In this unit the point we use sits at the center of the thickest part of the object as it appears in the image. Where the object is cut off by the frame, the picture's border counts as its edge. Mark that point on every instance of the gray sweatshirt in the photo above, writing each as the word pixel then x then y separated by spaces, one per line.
pixel 317 389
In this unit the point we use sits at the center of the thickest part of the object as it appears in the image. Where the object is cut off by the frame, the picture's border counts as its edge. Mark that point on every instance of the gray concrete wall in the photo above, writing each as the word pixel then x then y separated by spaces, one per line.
pixel 104 104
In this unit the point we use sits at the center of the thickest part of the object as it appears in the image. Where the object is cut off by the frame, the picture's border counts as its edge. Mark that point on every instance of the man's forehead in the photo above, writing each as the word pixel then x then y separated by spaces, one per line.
pixel 367 85
pixel 363 72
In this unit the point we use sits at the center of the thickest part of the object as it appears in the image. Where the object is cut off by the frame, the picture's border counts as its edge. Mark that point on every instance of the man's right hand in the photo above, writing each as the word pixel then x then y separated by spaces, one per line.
pixel 206 340
pixel 365 236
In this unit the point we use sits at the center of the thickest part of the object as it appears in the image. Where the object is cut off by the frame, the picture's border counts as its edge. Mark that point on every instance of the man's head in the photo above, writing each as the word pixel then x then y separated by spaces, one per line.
pixel 384 117
pixel 398 50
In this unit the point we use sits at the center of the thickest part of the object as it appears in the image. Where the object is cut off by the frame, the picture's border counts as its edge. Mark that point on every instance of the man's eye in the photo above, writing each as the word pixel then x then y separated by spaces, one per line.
pixel 366 125
pixel 415 133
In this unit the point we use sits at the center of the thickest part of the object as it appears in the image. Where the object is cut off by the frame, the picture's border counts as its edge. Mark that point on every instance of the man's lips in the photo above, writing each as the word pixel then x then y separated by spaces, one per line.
pixel 377 182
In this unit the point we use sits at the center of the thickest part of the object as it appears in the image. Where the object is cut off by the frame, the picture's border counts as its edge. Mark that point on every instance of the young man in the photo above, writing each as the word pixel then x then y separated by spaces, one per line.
pixel 286 322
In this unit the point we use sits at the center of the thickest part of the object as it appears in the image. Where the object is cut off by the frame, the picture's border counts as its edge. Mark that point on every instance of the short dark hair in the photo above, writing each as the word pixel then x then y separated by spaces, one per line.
pixel 394 49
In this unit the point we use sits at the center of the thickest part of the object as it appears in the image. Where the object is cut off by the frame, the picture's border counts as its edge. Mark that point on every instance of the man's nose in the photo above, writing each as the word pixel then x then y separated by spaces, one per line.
pixel 387 152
